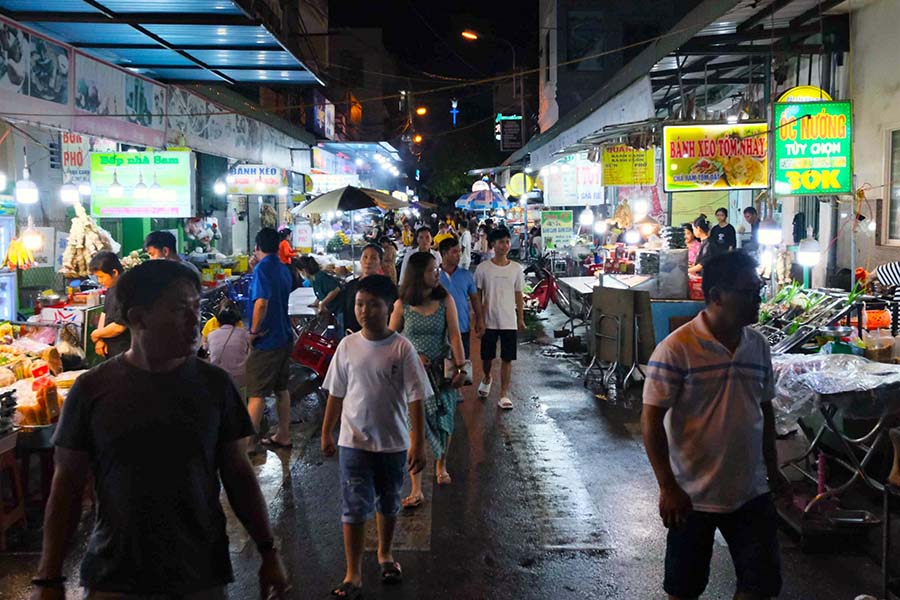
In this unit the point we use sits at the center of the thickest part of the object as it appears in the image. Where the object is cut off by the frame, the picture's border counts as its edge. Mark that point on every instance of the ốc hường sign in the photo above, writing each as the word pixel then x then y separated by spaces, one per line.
pixel 813 148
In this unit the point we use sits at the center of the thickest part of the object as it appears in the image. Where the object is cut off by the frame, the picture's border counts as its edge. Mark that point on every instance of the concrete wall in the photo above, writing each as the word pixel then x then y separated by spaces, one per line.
pixel 876 95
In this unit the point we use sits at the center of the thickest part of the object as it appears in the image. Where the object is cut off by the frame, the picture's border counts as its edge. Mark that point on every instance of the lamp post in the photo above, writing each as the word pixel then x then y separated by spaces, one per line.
pixel 473 36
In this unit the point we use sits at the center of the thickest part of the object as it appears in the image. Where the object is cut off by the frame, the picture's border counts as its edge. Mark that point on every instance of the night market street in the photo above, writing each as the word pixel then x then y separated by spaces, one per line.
pixel 554 499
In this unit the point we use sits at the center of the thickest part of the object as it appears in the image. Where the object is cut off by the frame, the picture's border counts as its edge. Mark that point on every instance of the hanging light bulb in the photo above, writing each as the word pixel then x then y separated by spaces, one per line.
pixel 769 233
pixel 140 190
pixel 601 227
pixel 586 218
pixel 632 237
pixel 26 189
pixel 219 188
pixel 31 237
pixel 115 188
pixel 155 190
pixel 809 252
pixel 84 190
pixel 68 193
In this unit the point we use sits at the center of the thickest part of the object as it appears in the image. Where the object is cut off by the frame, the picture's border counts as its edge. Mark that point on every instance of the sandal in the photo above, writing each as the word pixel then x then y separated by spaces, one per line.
pixel 271 441
pixel 444 479
pixel 413 501
pixel 347 590
pixel 391 573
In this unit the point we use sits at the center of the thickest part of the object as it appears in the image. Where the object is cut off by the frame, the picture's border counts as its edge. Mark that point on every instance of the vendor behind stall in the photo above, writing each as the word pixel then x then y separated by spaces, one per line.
pixel 161 245
pixel 323 284
pixel 701 232
pixel 722 236
pixel 111 337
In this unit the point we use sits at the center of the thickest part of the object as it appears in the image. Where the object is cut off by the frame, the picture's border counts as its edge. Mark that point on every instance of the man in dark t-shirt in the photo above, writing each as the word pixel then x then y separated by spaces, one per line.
pixel 158 428
pixel 111 337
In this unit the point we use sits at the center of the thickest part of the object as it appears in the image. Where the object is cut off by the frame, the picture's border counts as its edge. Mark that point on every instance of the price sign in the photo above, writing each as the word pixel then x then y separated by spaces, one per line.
pixel 813 146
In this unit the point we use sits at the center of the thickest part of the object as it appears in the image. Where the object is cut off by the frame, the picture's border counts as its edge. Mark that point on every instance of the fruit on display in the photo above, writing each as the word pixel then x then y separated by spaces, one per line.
pixel 18 256
pixel 86 238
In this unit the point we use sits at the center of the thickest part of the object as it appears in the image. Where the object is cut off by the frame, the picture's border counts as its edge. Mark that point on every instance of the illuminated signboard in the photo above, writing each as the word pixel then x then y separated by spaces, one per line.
pixel 813 146
pixel 709 157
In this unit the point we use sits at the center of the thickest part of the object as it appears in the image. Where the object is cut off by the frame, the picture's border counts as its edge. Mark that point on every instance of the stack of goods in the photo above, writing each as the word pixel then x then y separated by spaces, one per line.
pixel 86 239
pixel 39 402
pixel 674 238
pixel 18 256
pixel 7 412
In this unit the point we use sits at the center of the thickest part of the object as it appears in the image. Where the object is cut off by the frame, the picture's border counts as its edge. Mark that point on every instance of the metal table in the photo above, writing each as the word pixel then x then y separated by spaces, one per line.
pixel 579 291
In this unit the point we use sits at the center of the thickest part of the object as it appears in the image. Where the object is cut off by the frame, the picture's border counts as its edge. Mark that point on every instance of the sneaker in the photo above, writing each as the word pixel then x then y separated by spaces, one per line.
pixel 505 403
pixel 484 389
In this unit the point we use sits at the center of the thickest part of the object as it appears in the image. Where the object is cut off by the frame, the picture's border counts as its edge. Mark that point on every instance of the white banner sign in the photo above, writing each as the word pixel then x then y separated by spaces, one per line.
pixel 76 155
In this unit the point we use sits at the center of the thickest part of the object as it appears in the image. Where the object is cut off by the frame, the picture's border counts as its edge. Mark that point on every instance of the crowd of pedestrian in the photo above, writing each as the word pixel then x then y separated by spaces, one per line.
pixel 159 428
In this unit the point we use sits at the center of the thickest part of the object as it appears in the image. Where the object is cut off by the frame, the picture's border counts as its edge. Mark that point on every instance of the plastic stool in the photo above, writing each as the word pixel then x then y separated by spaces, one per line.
pixel 12 498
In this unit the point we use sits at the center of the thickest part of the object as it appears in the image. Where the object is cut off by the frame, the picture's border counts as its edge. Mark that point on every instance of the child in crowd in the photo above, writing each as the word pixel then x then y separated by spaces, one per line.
pixel 111 337
pixel 376 386
pixel 229 346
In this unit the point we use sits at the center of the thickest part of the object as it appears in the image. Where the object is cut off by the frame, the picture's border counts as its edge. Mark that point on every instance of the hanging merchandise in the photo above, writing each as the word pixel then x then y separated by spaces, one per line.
pixel 86 238
pixel 18 256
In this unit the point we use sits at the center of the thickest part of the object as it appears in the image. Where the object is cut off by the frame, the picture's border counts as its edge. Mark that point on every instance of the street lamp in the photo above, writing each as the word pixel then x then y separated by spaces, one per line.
pixel 422 111
pixel 418 138
pixel 473 36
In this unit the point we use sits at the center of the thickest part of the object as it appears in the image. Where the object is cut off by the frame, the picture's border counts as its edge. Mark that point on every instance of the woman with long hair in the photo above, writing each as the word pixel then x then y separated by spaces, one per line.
pixel 426 314
pixel 701 232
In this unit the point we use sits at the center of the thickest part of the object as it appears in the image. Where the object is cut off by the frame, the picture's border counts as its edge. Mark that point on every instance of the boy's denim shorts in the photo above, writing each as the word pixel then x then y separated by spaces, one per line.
pixel 370 481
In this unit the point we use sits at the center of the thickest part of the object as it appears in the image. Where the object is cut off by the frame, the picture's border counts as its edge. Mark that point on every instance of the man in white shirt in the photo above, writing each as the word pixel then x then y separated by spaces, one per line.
pixel 500 282
pixel 424 241
pixel 709 431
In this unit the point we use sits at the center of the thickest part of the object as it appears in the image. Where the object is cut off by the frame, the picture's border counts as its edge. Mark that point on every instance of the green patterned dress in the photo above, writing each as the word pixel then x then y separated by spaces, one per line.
pixel 429 337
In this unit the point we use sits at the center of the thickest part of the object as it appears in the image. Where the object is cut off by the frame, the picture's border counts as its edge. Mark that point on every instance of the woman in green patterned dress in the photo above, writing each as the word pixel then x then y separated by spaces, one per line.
pixel 426 314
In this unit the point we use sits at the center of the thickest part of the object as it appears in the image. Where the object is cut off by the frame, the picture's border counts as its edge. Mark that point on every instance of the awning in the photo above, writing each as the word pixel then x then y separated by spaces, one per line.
pixel 223 41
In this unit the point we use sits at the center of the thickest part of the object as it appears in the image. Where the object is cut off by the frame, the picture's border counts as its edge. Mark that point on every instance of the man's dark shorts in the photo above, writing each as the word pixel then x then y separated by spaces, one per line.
pixel 508 339
pixel 267 371
pixel 752 536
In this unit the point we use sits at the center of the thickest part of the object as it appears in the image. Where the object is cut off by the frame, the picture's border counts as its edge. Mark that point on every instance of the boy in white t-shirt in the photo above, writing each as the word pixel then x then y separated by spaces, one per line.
pixel 500 282
pixel 376 384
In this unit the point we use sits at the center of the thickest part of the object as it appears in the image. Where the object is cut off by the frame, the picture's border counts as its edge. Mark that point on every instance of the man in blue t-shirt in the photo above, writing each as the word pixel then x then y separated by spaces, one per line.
pixel 461 285
pixel 271 337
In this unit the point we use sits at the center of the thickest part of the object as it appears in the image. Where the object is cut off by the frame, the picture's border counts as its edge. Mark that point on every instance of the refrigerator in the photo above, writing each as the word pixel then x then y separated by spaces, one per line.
pixel 9 293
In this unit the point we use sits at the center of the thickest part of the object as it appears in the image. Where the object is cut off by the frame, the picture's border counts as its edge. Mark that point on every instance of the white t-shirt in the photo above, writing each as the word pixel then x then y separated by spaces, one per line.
pixel 377 380
pixel 714 423
pixel 410 252
pixel 465 244
pixel 500 285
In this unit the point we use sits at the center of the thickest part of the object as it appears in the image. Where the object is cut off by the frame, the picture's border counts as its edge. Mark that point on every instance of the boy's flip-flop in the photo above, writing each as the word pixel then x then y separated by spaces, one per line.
pixel 271 441
pixel 347 590
pixel 484 389
pixel 391 573
pixel 505 403
pixel 410 502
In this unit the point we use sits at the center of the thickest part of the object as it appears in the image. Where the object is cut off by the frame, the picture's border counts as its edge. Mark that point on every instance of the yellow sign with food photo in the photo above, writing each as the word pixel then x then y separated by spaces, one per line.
pixel 709 157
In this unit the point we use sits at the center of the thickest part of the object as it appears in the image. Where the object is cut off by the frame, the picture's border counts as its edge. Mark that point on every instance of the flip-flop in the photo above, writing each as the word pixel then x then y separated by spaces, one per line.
pixel 347 590
pixel 416 503
pixel 444 479
pixel 271 441
pixel 391 573
pixel 505 403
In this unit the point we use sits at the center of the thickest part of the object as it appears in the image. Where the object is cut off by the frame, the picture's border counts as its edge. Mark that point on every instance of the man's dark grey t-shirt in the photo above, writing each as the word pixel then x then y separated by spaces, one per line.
pixel 154 440
pixel 111 308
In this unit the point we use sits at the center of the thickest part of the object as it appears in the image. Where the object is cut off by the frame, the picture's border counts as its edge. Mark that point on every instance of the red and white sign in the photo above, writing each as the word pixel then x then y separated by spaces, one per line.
pixel 76 155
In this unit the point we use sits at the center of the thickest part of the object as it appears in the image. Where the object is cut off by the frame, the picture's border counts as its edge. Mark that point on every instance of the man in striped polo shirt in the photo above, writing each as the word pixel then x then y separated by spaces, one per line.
pixel 709 431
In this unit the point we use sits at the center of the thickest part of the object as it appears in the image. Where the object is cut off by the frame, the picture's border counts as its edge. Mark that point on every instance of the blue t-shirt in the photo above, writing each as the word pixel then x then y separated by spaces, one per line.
pixel 272 281
pixel 460 285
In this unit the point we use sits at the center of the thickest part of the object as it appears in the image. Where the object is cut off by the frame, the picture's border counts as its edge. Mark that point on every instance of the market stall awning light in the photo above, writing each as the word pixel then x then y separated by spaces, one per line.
pixel 586 218
pixel 26 189
pixel 219 188
pixel 632 237
pixel 31 237
pixel 647 226
pixel 809 252
pixel 769 233
pixel 68 193
pixel 84 189
pixel 601 227
pixel 115 189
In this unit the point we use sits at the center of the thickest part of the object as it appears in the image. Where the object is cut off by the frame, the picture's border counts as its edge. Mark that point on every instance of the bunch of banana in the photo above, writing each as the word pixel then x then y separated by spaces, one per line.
pixel 18 256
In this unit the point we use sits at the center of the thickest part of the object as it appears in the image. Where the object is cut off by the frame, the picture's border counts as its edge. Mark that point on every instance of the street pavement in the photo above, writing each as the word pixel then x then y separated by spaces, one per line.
pixel 554 499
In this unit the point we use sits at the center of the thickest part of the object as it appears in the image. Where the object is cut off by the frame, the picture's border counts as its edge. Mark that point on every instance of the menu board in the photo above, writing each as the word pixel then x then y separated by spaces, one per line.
pixel 813 145
pixel 141 184
pixel 557 228
pixel 705 157
pixel 624 165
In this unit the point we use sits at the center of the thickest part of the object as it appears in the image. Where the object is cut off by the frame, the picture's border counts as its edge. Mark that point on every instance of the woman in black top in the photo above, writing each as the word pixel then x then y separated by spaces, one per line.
pixel 722 237
pixel 701 232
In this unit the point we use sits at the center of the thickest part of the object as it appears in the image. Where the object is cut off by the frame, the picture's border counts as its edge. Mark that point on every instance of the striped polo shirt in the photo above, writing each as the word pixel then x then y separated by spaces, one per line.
pixel 889 275
pixel 714 423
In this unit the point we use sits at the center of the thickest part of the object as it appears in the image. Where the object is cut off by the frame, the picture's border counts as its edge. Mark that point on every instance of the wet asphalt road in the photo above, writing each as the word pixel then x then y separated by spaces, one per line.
pixel 552 500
